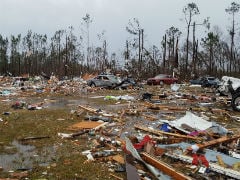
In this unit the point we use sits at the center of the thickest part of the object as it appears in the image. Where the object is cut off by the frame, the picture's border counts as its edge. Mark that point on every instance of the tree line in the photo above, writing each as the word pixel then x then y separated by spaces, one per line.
pixel 65 54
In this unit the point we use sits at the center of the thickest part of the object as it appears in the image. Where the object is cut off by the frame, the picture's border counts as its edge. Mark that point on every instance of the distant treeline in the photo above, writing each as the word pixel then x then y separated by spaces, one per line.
pixel 65 54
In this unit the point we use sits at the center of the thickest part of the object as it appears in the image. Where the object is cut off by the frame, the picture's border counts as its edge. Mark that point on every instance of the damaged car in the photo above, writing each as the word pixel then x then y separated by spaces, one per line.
pixel 206 81
pixel 126 83
pixel 161 79
pixel 104 80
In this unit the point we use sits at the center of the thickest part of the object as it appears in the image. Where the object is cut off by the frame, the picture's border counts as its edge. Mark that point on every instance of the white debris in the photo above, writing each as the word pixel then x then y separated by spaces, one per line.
pixel 64 135
pixel 191 120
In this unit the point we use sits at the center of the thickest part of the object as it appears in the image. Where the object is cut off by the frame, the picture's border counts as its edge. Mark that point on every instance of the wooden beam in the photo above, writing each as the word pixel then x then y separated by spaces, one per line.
pixel 161 107
pixel 165 168
pixel 216 141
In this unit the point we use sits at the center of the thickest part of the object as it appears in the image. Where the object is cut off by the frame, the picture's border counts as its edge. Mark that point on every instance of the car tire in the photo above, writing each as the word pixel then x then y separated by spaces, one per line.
pixel 235 103
pixel 161 83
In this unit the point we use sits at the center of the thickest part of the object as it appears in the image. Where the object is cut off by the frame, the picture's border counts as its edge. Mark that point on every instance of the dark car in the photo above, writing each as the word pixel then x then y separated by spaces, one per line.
pixel 207 81
pixel 211 82
pixel 197 81
pixel 104 80
pixel 162 79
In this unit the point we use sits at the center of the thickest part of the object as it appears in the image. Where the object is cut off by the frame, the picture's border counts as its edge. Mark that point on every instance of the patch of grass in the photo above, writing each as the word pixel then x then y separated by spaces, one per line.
pixel 62 158
pixel 73 167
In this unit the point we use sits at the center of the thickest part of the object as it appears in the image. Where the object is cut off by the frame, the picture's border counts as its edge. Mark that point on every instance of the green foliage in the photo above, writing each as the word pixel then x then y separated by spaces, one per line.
pixel 211 40
pixel 191 9
pixel 234 8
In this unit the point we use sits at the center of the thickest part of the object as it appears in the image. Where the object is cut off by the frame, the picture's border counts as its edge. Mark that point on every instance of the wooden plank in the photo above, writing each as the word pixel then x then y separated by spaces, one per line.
pixel 165 168
pixel 165 133
pixel 116 177
pixel 160 107
pixel 102 113
pixel 85 125
pixel 118 158
pixel 149 117
pixel 215 141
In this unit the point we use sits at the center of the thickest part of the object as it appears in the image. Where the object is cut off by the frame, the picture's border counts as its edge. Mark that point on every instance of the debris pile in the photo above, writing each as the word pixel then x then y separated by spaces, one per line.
pixel 177 131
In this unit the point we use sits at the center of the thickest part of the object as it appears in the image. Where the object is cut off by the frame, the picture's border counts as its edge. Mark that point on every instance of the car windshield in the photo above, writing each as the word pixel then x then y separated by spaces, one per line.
pixel 161 76
pixel 112 78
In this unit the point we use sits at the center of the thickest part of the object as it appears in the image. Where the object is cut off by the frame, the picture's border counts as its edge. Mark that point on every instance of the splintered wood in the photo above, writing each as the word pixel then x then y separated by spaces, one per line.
pixel 164 167
pixel 165 107
pixel 101 112
pixel 216 141
pixel 165 133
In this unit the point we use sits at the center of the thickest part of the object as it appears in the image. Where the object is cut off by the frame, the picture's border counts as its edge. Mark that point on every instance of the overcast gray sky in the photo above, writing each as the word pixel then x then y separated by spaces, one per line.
pixel 155 16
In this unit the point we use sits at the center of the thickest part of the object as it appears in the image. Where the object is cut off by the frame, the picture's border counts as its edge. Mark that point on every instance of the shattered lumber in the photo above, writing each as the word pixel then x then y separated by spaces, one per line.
pixel 165 133
pixel 164 167
pixel 216 141
pixel 96 111
pixel 169 139
pixel 149 117
pixel 116 177
pixel 158 106
pixel 213 166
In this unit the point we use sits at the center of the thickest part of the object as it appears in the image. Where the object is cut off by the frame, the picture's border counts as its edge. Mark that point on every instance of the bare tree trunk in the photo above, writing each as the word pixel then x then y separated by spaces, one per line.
pixel 169 55
pixel 232 33
pixel 19 65
pixel 127 51
pixel 194 51
pixel 139 50
pixel 196 57
pixel 105 52
pixel 173 48
pixel 164 52
pixel 187 49
pixel 66 59
pixel 176 55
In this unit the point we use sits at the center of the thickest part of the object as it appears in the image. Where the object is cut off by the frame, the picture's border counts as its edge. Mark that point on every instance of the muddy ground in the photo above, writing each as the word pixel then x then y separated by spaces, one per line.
pixel 30 147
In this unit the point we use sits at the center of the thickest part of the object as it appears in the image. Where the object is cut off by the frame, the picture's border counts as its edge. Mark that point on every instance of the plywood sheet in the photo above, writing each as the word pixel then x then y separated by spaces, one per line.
pixel 85 125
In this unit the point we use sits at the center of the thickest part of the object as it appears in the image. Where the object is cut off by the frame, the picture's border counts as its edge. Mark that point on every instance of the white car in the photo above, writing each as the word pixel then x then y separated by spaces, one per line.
pixel 104 80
